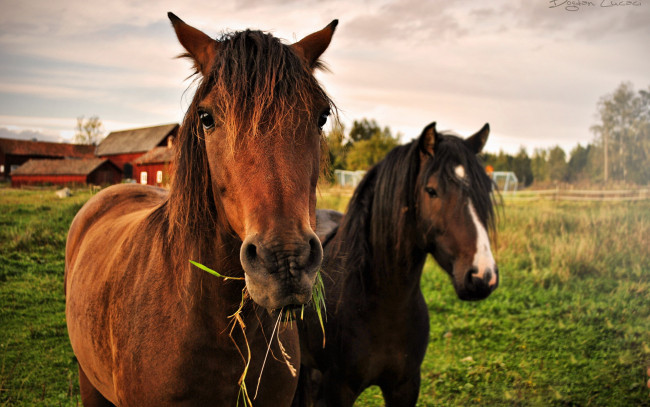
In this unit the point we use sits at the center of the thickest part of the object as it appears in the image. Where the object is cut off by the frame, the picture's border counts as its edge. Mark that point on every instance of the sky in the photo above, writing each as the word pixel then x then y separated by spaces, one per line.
pixel 534 70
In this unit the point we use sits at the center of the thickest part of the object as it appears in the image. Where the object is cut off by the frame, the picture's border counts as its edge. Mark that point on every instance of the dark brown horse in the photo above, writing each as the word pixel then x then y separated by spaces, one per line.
pixel 429 196
pixel 149 329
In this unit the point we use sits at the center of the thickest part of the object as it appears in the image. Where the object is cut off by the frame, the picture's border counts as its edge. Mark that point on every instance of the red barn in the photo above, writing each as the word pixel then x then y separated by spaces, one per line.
pixel 94 171
pixel 124 147
pixel 14 153
pixel 154 167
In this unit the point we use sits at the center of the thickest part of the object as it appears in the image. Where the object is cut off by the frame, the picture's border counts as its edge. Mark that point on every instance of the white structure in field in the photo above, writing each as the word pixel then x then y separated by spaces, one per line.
pixel 505 181
pixel 348 178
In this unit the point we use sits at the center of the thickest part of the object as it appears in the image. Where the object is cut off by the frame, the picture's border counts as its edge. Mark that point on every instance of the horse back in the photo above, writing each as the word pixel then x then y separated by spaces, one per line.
pixel 109 205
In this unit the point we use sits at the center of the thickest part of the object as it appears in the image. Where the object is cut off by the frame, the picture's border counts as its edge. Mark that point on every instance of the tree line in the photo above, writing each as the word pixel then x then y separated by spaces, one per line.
pixel 365 145
pixel 619 152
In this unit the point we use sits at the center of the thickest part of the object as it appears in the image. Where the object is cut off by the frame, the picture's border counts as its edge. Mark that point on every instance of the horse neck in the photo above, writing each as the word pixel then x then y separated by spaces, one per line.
pixel 397 262
pixel 215 248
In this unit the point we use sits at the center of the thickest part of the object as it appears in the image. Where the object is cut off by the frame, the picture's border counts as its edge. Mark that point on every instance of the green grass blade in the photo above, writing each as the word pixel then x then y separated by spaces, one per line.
pixel 209 270
pixel 318 301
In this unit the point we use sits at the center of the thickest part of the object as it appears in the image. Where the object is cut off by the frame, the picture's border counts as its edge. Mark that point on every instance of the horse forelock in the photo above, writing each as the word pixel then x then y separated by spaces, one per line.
pixel 263 88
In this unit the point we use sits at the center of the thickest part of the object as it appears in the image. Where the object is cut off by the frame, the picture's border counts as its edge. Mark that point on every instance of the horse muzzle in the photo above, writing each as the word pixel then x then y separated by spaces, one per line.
pixel 477 284
pixel 281 272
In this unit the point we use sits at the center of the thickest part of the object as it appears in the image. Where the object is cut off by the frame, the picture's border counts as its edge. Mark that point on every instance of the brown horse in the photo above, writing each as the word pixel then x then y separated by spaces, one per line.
pixel 429 196
pixel 149 329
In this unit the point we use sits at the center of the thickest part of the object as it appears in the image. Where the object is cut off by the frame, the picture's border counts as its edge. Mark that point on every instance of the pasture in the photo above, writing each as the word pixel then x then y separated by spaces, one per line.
pixel 568 326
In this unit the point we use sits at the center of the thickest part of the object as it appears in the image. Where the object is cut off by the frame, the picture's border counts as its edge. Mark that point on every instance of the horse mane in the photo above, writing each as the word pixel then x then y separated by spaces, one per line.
pixel 259 86
pixel 382 214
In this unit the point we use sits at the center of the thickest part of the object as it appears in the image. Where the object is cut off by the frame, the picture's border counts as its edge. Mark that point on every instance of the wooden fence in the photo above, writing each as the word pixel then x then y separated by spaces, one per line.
pixel 582 195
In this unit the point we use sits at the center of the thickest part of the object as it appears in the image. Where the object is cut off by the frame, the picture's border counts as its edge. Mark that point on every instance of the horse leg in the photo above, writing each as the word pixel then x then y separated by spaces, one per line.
pixel 90 397
pixel 403 394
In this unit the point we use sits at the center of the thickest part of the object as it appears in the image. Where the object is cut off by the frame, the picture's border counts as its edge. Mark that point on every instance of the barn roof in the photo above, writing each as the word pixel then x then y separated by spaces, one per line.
pixel 45 149
pixel 134 140
pixel 157 155
pixel 60 167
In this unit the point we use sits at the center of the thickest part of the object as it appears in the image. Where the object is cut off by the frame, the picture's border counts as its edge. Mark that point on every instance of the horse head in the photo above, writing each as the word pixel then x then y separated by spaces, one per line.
pixel 256 125
pixel 454 210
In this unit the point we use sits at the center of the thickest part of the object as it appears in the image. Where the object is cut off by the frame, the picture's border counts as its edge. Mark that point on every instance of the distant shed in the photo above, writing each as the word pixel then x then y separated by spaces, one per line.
pixel 154 167
pixel 14 153
pixel 94 171
pixel 124 147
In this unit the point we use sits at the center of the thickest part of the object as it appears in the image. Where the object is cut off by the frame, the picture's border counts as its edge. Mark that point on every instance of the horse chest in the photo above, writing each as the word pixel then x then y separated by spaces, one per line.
pixel 393 339
pixel 204 368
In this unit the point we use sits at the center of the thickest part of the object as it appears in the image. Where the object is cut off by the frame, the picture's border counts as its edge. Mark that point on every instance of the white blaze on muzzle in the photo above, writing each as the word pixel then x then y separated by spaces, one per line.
pixel 483 259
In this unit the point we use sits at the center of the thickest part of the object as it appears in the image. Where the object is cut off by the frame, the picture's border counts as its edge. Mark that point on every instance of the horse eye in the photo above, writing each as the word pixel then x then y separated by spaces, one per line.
pixel 432 192
pixel 322 119
pixel 206 120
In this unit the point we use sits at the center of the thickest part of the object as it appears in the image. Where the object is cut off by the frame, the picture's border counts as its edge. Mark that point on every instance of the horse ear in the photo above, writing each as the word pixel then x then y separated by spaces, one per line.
pixel 428 139
pixel 312 46
pixel 200 47
pixel 476 142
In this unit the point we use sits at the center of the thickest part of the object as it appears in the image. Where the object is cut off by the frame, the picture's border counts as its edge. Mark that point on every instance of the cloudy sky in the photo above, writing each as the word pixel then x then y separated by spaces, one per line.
pixel 534 70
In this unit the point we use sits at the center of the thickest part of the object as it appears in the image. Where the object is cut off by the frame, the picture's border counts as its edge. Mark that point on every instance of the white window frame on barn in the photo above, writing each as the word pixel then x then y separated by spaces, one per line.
pixel 159 177
pixel 143 177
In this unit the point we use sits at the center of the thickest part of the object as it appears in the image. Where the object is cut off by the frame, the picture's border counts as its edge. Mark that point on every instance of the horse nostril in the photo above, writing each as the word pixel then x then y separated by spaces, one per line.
pixel 470 275
pixel 250 252
pixel 479 281
pixel 315 257
pixel 251 255
pixel 315 251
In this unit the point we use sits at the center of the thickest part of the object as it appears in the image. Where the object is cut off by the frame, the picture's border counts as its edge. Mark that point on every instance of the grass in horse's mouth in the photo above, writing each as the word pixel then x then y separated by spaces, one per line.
pixel 286 314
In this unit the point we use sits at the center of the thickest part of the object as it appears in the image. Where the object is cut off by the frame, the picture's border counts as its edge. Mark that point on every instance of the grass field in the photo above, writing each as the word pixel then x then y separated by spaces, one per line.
pixel 568 326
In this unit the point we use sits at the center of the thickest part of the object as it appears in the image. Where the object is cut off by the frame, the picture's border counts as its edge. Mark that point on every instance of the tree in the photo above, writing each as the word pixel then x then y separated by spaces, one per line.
pixel 363 129
pixel 579 163
pixel 367 152
pixel 521 166
pixel 89 131
pixel 557 166
pixel 624 134
pixel 336 149
pixel 539 166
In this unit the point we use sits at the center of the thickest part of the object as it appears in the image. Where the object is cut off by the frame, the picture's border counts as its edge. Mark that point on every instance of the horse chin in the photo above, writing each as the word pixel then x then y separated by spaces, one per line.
pixel 294 310
pixel 272 296
pixel 467 295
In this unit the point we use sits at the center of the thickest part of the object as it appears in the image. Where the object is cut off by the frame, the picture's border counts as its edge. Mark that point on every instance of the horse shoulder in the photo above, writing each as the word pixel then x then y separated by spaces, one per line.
pixel 98 276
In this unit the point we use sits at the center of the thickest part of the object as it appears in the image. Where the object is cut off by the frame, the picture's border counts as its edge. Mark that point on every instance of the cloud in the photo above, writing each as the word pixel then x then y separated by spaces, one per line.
pixel 27 135
pixel 590 22
pixel 534 73
pixel 405 22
